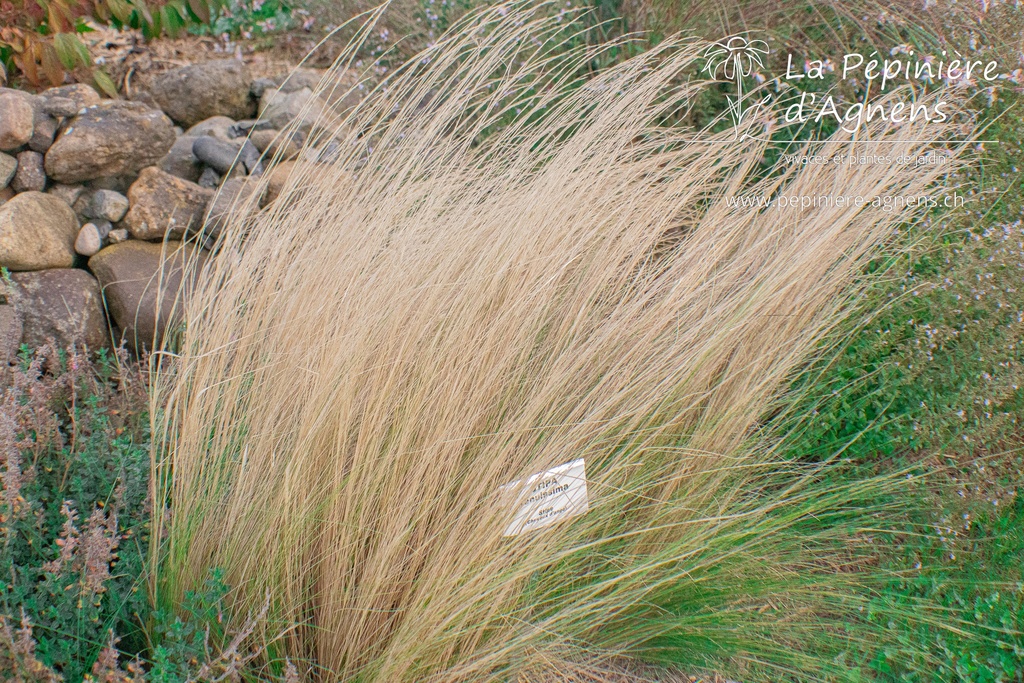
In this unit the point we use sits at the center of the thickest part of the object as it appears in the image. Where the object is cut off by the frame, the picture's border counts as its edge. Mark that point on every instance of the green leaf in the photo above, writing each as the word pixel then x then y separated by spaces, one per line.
pixel 153 27
pixel 201 9
pixel 71 51
pixel 167 17
pixel 121 10
pixel 104 82
pixel 146 17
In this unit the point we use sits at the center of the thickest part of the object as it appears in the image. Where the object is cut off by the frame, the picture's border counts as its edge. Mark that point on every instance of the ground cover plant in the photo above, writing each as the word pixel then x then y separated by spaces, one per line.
pixel 931 376
pixel 75 523
pixel 75 516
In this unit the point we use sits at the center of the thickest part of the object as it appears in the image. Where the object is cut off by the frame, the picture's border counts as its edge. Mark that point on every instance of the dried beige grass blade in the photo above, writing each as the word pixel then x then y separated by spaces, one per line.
pixel 452 304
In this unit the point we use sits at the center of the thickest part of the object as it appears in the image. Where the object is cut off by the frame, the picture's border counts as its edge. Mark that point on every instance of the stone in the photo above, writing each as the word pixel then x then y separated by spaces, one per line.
pixel 63 304
pixel 82 204
pixel 299 78
pixel 245 128
pixel 279 174
pixel 90 238
pixel 275 145
pixel 276 179
pixel 180 161
pixel 8 165
pixel 209 179
pixel 143 97
pixel 6 195
pixel 43 131
pixel 16 118
pixel 260 86
pixel 262 139
pixel 228 157
pixel 30 99
pixel 69 193
pixel 198 91
pixel 163 204
pixel 117 235
pixel 145 285
pixel 10 329
pixel 220 127
pixel 60 107
pixel 250 158
pixel 334 90
pixel 107 205
pixel 37 231
pixel 282 108
pixel 66 101
pixel 237 171
pixel 217 154
pixel 342 98
pixel 30 176
pixel 235 195
pixel 116 183
pixel 113 138
pixel 242 128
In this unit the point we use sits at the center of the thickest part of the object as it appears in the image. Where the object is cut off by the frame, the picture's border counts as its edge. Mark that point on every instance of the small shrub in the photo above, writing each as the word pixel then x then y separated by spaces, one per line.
pixel 247 19
pixel 74 537
pixel 74 451
pixel 932 375
pixel 39 38
pixel 936 356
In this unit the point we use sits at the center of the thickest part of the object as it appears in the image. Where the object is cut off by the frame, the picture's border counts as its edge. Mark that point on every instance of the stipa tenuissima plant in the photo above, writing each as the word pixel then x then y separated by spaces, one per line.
pixel 503 269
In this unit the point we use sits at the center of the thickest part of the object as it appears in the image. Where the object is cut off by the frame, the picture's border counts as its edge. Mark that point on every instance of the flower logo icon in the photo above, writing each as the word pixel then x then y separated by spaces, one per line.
pixel 736 57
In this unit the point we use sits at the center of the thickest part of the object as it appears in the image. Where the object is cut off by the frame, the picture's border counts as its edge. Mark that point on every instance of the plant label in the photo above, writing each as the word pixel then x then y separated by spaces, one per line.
pixel 549 497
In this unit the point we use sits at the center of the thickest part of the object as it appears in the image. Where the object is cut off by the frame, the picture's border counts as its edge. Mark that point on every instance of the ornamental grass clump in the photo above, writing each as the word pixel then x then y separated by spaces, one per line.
pixel 505 267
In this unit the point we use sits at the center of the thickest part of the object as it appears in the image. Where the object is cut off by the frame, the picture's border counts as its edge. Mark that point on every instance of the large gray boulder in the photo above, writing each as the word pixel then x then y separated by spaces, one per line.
pixel 199 91
pixel 113 138
pixel 37 231
pixel 145 285
pixel 62 304
pixel 164 205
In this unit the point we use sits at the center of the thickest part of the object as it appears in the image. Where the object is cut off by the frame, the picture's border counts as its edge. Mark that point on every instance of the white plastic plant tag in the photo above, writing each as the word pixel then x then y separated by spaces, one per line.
pixel 549 497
